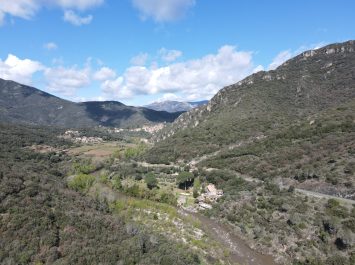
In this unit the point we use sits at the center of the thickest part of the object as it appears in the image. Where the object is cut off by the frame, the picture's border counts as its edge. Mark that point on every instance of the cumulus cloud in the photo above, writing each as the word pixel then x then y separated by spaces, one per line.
pixel 169 97
pixel 19 70
pixel 104 73
pixel 163 10
pixel 283 56
pixel 50 46
pixel 169 55
pixel 258 69
pixel 67 81
pixel 27 9
pixel 194 79
pixel 73 18
pixel 113 89
pixel 280 59
pixel 20 8
pixel 78 4
pixel 140 59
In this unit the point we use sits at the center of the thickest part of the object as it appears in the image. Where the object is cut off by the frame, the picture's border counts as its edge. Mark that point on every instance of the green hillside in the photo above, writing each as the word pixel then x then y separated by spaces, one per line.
pixel 44 222
pixel 20 104
pixel 281 145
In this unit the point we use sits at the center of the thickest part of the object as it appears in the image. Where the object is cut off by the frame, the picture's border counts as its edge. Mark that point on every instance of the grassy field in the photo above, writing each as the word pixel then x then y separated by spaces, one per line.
pixel 98 152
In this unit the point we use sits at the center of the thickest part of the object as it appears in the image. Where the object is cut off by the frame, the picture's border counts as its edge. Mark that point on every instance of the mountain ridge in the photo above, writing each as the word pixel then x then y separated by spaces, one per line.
pixel 175 106
pixel 194 117
pixel 289 134
pixel 25 104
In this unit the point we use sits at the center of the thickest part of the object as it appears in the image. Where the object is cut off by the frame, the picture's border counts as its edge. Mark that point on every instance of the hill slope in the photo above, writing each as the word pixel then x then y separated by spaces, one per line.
pixel 44 222
pixel 271 141
pixel 264 103
pixel 24 104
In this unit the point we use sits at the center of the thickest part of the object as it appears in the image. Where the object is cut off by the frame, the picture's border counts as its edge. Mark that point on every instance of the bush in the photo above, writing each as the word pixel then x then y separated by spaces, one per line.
pixel 81 182
pixel 116 183
pixel 334 208
pixel 84 167
pixel 168 198
pixel 151 181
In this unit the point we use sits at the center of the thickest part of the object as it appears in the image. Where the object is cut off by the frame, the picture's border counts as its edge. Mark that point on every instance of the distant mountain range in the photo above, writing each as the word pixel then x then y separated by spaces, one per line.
pixel 175 106
pixel 28 105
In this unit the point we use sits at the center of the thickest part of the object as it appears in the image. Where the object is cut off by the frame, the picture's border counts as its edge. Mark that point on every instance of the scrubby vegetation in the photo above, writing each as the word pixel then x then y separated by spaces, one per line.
pixel 43 222
pixel 269 140
pixel 293 226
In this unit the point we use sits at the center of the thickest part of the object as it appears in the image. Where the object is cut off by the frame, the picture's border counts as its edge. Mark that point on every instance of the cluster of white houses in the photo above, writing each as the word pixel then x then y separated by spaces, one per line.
pixel 75 137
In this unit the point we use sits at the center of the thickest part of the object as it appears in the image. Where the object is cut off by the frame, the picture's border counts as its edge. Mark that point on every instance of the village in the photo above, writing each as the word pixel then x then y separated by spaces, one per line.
pixel 75 137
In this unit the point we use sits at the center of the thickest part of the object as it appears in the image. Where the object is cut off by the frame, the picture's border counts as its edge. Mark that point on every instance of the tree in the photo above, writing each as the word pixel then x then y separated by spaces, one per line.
pixel 151 181
pixel 185 179
pixel 197 187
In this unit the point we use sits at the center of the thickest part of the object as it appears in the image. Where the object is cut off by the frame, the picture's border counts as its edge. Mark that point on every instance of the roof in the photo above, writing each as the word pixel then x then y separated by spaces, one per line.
pixel 211 188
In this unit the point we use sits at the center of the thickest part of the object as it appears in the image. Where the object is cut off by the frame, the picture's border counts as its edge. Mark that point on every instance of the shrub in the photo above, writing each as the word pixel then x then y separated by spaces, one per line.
pixel 81 182
pixel 84 167
pixel 168 198
pixel 116 183
pixel 151 181
pixel 334 208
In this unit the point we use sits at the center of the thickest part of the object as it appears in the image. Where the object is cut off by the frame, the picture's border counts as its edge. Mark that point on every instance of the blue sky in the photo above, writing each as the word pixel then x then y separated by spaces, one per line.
pixel 139 51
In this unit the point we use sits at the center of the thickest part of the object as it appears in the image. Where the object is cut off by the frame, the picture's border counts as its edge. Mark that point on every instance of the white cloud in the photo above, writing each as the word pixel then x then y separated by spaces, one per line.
pixel 280 59
pixel 50 46
pixel 20 8
pixel 67 81
pixel 169 55
pixel 140 59
pixel 258 69
pixel 27 9
pixel 113 89
pixel 19 70
pixel 194 79
pixel 163 10
pixel 283 56
pixel 169 97
pixel 104 73
pixel 73 18
pixel 78 4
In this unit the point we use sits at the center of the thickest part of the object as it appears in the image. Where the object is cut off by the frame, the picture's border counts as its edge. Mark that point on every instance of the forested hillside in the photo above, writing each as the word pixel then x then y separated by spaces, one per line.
pixel 44 222
pixel 264 103
pixel 281 146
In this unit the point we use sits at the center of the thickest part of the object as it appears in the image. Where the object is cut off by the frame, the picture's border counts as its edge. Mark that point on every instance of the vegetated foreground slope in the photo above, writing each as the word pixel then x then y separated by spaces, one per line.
pixel 263 104
pixel 28 105
pixel 43 222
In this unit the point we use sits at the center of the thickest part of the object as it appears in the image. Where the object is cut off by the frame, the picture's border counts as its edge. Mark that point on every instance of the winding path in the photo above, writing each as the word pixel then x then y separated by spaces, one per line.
pixel 324 196
pixel 239 251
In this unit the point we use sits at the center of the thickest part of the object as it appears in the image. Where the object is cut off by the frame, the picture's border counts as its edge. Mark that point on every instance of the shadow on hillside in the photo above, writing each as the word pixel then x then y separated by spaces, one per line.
pixel 160 116
pixel 108 115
